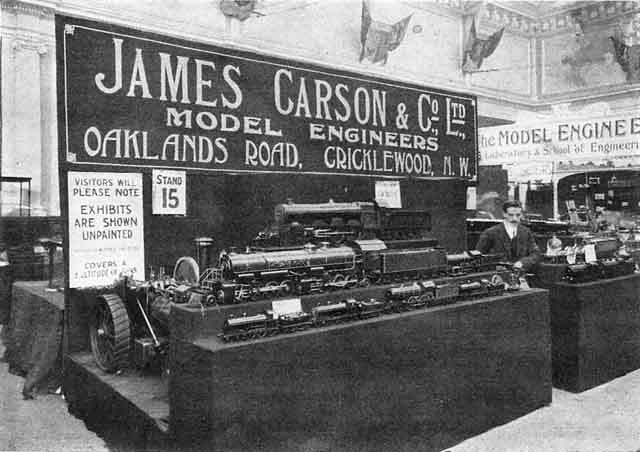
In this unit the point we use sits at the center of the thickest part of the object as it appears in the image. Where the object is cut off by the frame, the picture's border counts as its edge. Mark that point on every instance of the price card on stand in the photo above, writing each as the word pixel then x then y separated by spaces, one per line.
pixel 169 192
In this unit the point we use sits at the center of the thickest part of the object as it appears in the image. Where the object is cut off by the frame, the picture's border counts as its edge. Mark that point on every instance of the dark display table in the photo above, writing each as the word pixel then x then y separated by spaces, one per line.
pixel 547 274
pixel 5 293
pixel 420 380
pixel 595 330
pixel 33 336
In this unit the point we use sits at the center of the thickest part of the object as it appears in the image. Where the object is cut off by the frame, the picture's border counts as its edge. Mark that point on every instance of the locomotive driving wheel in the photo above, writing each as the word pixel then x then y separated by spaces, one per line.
pixel 286 287
pixel 110 333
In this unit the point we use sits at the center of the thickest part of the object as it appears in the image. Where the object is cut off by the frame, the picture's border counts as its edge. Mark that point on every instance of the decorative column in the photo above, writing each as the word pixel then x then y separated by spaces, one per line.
pixel 29 147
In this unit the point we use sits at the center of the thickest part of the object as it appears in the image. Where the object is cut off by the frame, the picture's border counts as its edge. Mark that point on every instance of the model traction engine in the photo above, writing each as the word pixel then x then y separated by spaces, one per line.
pixel 131 324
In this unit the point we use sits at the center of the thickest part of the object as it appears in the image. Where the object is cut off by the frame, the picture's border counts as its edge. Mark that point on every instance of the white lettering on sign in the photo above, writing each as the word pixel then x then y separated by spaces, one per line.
pixel 169 192
pixel 106 231
pixel 588 140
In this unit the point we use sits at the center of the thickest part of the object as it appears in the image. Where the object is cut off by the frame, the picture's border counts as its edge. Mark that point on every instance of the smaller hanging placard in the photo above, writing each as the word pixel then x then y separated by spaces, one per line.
pixel 169 192
pixel 388 194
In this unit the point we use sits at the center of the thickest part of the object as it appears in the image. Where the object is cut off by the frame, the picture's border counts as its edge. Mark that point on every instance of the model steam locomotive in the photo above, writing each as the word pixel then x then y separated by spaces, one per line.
pixel 601 269
pixel 242 277
pixel 398 299
pixel 335 222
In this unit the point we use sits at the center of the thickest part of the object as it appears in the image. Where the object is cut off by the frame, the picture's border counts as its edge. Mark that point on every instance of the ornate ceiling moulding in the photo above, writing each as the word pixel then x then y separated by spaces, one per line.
pixel 582 18
pixel 491 16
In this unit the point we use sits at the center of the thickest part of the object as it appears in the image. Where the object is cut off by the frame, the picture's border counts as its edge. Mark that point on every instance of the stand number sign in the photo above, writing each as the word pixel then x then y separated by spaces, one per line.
pixel 169 192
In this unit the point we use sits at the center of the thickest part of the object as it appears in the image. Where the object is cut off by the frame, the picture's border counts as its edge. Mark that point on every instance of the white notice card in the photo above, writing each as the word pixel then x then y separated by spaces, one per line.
pixel 388 194
pixel 286 307
pixel 106 231
pixel 590 253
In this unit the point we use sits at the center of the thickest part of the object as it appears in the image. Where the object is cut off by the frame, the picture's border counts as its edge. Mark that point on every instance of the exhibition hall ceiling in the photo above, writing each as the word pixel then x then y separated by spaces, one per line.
pixel 540 9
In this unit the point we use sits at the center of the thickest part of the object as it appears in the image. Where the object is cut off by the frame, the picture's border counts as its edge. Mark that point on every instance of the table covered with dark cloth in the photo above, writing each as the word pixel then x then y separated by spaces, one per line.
pixel 548 274
pixel 33 336
pixel 595 331
pixel 421 380
pixel 5 293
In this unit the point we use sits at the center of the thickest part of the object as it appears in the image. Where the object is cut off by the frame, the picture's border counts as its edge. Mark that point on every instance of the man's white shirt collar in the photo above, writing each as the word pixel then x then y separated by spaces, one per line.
pixel 511 229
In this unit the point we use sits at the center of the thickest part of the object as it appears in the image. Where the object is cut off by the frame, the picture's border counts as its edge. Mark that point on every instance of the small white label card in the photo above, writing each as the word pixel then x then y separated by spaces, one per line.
pixel 388 194
pixel 286 307
pixel 590 253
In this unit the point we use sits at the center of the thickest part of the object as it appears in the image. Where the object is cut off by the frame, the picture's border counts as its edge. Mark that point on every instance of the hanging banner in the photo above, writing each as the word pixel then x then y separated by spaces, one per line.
pixel 133 99
pixel 168 192
pixel 106 231
pixel 608 141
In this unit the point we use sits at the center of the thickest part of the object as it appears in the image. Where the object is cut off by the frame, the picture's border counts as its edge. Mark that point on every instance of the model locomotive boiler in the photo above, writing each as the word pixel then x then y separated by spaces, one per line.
pixel 253 274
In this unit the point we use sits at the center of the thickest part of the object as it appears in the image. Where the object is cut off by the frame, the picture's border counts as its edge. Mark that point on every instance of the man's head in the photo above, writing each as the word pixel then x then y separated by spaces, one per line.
pixel 512 211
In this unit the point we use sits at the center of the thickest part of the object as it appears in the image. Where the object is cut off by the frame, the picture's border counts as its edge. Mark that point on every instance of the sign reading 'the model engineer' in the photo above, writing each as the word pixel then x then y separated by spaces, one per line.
pixel 141 100
pixel 106 233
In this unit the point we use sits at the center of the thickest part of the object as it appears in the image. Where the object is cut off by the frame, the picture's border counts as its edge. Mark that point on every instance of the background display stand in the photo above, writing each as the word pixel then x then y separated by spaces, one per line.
pixel 595 330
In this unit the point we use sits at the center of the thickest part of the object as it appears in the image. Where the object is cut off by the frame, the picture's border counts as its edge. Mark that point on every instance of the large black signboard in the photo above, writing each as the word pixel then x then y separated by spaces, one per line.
pixel 134 99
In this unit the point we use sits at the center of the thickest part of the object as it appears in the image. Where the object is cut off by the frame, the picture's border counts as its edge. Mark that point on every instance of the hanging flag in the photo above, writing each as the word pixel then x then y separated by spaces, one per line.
pixel 378 38
pixel 238 9
pixel 628 57
pixel 476 50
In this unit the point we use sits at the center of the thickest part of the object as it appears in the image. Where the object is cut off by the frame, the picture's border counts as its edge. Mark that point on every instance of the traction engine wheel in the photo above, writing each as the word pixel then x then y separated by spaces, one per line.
pixel 110 333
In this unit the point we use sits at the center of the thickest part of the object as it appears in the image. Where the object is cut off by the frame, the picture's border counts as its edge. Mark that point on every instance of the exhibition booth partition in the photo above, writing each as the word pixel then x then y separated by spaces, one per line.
pixel 256 254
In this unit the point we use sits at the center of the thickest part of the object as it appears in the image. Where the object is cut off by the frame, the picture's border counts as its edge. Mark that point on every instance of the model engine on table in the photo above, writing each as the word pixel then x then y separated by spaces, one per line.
pixel 335 222
pixel 251 275
pixel 136 319
pixel 133 322
pixel 606 259
pixel 417 295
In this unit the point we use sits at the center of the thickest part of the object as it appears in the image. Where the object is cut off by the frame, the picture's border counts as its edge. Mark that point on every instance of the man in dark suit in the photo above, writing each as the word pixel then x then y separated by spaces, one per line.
pixel 514 241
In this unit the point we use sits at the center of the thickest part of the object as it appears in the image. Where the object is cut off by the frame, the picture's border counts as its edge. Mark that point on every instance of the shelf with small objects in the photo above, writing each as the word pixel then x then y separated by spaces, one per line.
pixel 588 257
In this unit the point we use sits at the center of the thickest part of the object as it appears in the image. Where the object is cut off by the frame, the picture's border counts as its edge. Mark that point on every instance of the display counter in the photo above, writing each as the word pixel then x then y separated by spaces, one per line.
pixel 5 292
pixel 548 274
pixel 33 336
pixel 419 380
pixel 595 330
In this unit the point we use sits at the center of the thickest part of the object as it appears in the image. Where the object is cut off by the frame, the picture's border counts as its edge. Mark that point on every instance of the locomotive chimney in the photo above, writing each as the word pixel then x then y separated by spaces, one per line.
pixel 203 244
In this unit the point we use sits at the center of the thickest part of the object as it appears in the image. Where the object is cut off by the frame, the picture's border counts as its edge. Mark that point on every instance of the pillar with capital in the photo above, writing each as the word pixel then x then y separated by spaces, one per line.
pixel 29 138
